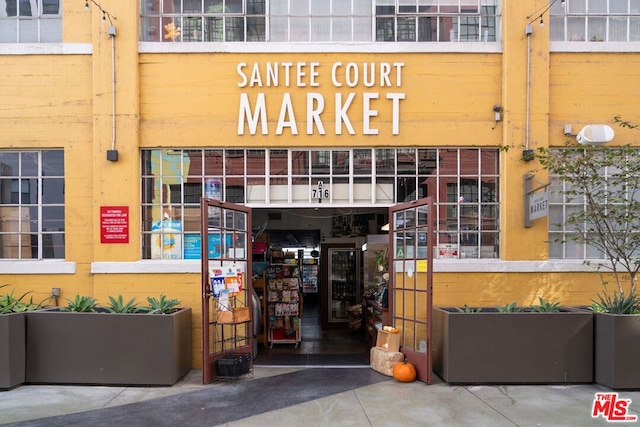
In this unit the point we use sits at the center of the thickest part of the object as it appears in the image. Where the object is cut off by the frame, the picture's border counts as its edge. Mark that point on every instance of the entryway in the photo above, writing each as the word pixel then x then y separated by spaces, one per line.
pixel 318 348
pixel 327 337
pixel 329 327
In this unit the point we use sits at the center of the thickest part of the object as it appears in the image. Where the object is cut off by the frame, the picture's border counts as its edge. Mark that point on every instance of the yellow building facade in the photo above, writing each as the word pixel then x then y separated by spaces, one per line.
pixel 95 93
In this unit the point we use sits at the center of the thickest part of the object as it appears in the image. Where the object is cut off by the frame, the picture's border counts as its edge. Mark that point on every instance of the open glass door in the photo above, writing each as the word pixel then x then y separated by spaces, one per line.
pixel 410 281
pixel 227 305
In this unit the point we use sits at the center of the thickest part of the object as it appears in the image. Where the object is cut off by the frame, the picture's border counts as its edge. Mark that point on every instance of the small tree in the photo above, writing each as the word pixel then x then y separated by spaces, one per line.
pixel 604 182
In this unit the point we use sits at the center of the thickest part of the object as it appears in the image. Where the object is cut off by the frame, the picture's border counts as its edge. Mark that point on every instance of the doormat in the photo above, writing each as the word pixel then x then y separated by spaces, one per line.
pixel 319 360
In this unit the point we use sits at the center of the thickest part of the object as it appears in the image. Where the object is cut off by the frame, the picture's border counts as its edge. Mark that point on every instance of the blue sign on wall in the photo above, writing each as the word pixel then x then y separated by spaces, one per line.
pixel 193 246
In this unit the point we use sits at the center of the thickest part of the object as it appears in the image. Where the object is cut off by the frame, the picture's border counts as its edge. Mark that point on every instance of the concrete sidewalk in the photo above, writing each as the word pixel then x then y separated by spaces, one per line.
pixel 307 397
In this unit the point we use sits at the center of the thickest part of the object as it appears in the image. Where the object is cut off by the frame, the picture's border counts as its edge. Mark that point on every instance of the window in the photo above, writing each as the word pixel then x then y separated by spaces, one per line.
pixel 463 183
pixel 467 203
pixel 203 20
pixel 436 21
pixel 614 183
pixel 32 204
pixel 30 21
pixel 595 21
pixel 319 20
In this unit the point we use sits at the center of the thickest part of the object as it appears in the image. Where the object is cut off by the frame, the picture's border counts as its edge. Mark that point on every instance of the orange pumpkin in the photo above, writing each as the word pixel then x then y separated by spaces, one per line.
pixel 404 372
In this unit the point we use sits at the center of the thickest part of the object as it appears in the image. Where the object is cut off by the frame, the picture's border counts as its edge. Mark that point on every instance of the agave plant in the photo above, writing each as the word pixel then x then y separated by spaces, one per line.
pixel 117 305
pixel 467 309
pixel 81 304
pixel 619 303
pixel 12 304
pixel 161 305
pixel 546 306
pixel 512 307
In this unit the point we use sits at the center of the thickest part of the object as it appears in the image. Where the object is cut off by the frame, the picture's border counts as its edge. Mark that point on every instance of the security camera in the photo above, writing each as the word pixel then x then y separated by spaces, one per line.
pixel 567 130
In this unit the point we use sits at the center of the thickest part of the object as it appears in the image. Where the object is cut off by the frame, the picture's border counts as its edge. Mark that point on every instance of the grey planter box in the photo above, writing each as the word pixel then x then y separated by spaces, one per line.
pixel 12 350
pixel 617 350
pixel 106 348
pixel 513 348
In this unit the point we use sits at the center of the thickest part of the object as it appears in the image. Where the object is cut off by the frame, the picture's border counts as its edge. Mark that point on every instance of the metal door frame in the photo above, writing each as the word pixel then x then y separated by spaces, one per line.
pixel 410 266
pixel 214 216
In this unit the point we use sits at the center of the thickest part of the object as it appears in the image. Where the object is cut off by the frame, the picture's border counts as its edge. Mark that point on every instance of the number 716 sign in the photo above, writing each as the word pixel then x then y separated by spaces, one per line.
pixel 320 192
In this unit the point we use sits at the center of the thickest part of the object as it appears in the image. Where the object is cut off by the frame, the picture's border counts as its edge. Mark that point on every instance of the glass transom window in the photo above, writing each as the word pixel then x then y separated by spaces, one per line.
pixel 595 21
pixel 463 183
pixel 319 20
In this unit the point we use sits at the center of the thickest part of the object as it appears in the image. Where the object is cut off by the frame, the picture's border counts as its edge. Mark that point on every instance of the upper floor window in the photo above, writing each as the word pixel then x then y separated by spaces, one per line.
pixel 595 21
pixel 32 204
pixel 430 20
pixel 30 21
pixel 319 20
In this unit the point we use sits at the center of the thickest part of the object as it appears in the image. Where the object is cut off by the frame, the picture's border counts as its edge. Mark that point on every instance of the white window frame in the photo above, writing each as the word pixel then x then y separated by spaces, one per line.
pixel 564 16
pixel 154 20
pixel 395 175
pixel 35 28
pixel 19 214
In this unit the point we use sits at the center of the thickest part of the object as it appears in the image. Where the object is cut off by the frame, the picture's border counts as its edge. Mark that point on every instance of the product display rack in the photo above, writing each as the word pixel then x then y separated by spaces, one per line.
pixel 227 336
pixel 284 302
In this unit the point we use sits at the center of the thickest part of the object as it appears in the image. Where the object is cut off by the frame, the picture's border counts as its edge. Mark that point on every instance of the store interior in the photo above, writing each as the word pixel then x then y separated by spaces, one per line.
pixel 314 271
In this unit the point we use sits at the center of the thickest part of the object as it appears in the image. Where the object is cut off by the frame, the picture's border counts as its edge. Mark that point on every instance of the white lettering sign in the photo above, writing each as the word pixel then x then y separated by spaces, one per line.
pixel 253 107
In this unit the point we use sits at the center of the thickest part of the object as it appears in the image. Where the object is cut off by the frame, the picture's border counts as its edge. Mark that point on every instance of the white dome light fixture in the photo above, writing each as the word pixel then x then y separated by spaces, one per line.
pixel 595 135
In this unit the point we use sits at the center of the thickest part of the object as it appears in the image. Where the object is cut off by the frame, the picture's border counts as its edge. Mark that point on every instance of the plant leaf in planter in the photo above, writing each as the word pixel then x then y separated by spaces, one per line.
pixel 81 304
pixel 161 305
pixel 546 306
pixel 467 309
pixel 118 305
pixel 512 307
pixel 11 304
pixel 618 304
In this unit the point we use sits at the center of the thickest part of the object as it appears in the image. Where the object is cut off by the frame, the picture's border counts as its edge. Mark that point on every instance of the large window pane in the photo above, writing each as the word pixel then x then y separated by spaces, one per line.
pixel 600 6
pixel 321 29
pixel 299 29
pixel 617 29
pixel 597 29
pixel 342 30
pixel 634 29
